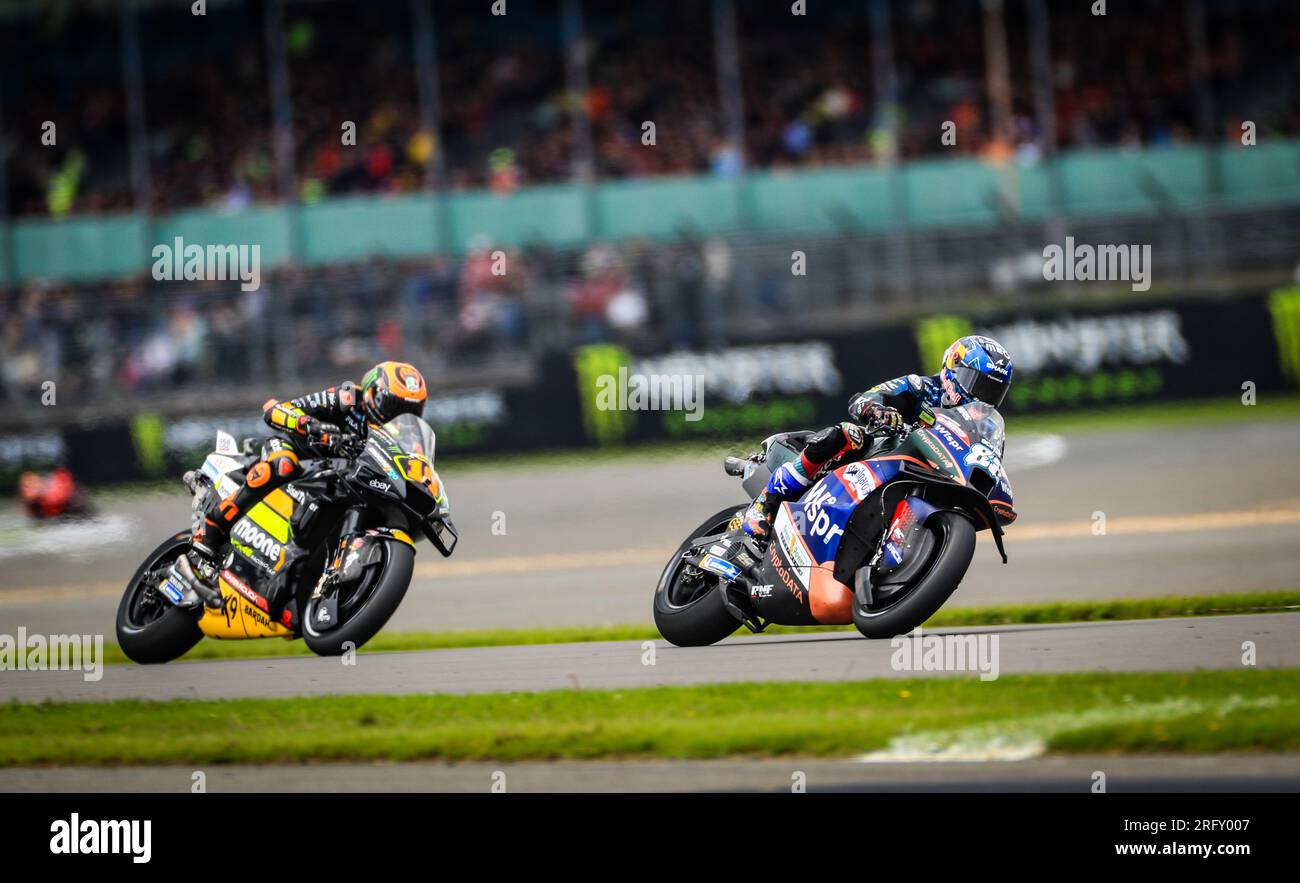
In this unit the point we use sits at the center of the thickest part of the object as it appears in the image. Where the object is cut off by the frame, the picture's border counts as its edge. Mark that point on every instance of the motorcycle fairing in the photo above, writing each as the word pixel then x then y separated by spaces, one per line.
pixel 808 534
pixel 1000 498
pixel 822 517
pixel 240 616
pixel 218 467
pixel 801 556
pixel 270 518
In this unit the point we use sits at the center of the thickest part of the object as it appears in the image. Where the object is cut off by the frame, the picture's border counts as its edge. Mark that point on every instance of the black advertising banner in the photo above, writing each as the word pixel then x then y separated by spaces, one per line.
pixel 1085 358
pixel 604 395
pixel 1207 348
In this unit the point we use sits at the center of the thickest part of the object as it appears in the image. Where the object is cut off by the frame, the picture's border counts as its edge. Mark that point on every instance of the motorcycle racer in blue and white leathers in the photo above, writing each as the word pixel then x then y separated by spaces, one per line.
pixel 973 368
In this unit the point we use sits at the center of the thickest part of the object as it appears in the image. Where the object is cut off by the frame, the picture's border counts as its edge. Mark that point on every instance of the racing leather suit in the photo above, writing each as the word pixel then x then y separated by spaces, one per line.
pixel 895 402
pixel 318 418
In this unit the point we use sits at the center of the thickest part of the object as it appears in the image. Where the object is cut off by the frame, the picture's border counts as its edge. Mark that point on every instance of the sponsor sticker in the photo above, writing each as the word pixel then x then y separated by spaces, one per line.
pixel 243 588
pixel 859 480
pixel 261 541
pixel 795 553
pixel 723 568
pixel 171 591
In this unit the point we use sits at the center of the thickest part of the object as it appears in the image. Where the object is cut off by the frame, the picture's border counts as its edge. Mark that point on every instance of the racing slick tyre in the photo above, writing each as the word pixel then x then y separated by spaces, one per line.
pixel 953 553
pixel 150 629
pixel 367 607
pixel 690 613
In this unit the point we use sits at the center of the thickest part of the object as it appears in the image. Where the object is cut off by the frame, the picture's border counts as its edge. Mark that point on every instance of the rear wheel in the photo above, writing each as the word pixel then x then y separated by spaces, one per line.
pixel 150 629
pixel 906 610
pixel 688 606
pixel 366 607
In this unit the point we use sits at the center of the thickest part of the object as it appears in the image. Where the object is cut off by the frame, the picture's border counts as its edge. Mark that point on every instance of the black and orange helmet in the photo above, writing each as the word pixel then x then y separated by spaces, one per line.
pixel 393 388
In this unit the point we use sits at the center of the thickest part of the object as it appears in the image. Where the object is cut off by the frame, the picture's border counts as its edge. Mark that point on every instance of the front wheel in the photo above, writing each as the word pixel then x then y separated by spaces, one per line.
pixel 366 607
pixel 150 629
pixel 688 607
pixel 953 553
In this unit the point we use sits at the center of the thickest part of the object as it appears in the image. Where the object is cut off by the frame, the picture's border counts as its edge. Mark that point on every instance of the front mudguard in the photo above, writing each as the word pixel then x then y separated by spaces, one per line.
pixel 363 550
pixel 905 548
pixel 944 493
pixel 359 552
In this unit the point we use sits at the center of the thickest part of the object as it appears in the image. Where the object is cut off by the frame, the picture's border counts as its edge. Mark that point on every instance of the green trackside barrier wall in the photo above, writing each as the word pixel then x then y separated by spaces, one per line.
pixel 931 193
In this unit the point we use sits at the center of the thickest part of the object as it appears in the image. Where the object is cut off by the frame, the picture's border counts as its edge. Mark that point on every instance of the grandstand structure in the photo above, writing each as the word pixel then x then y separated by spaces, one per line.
pixel 389 158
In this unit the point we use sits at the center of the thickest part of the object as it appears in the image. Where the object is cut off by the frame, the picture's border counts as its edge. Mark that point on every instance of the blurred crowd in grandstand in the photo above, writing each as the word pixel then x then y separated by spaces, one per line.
pixel 808 99
pixel 139 337
pixel 807 86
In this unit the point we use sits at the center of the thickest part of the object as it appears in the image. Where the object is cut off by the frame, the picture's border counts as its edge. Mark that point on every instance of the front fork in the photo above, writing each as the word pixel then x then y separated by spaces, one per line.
pixel 903 551
pixel 349 529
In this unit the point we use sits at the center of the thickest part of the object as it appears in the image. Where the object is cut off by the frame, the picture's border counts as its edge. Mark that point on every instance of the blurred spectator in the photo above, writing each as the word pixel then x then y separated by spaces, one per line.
pixel 807 81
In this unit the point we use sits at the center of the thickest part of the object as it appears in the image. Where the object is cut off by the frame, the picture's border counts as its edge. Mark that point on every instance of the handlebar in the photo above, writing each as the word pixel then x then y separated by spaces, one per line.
pixel 332 440
pixel 896 431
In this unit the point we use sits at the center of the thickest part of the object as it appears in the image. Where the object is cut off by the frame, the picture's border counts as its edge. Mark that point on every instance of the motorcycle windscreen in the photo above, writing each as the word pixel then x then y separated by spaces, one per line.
pixel 413 434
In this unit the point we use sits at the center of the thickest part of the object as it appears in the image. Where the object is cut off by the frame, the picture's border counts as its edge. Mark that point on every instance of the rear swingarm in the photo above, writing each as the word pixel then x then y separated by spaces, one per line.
pixel 732 561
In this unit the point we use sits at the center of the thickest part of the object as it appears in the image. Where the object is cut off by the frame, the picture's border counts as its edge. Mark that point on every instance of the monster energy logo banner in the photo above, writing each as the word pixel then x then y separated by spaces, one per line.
pixel 1284 304
pixel 735 374
pixel 591 363
pixel 148 436
pixel 1080 344
pixel 1089 343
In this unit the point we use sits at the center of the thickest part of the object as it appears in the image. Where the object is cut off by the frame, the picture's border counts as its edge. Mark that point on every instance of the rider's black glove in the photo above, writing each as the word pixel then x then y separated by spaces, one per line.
pixel 320 433
pixel 877 416
pixel 337 441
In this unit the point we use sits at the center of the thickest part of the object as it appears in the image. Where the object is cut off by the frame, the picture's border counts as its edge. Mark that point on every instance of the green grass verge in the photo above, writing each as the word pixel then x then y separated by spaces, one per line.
pixel 1063 611
pixel 1200 712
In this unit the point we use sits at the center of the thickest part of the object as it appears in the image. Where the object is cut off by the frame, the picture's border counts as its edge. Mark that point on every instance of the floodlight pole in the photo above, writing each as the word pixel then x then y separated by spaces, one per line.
pixel 429 91
pixel 137 129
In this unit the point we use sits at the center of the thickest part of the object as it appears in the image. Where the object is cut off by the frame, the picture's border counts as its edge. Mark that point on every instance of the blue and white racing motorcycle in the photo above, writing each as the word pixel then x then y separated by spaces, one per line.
pixel 881 542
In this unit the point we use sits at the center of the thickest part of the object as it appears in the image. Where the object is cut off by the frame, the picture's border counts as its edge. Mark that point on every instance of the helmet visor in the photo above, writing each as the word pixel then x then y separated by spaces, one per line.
pixel 981 386
pixel 389 406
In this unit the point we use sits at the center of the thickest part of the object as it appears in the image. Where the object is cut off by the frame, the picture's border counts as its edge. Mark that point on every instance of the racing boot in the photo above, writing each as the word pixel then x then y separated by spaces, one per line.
pixel 195 573
pixel 756 521
pixel 788 482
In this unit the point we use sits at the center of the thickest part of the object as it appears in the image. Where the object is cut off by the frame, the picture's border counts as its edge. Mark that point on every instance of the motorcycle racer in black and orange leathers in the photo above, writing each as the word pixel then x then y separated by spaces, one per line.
pixel 305 425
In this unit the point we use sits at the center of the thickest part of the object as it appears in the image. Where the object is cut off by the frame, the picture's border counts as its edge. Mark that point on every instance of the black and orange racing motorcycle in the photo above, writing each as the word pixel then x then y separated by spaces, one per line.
pixel 327 558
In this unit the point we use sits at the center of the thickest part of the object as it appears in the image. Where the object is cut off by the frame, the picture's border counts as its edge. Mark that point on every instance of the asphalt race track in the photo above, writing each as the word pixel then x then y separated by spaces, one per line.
pixel 1059 773
pixel 1187 512
pixel 1142 645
